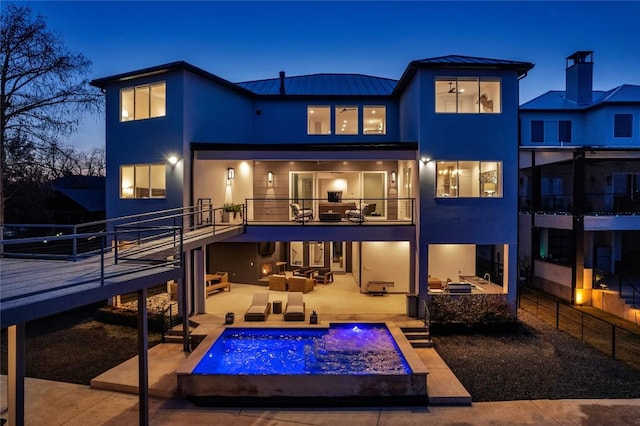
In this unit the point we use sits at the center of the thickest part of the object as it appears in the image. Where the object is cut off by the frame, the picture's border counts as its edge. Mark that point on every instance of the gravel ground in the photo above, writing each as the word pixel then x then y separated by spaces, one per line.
pixel 537 363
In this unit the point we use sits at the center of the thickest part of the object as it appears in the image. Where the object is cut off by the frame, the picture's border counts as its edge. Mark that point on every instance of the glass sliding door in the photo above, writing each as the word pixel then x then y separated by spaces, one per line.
pixel 302 189
pixel 374 192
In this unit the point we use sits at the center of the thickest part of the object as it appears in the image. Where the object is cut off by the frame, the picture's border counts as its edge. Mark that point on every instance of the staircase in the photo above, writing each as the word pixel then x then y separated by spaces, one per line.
pixel 419 337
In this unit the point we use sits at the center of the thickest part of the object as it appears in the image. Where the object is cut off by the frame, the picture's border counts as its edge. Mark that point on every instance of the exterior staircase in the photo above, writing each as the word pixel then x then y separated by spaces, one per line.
pixel 419 337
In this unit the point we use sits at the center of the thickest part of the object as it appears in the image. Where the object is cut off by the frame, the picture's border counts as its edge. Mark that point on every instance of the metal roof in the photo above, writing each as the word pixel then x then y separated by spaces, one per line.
pixel 470 60
pixel 324 85
pixel 556 99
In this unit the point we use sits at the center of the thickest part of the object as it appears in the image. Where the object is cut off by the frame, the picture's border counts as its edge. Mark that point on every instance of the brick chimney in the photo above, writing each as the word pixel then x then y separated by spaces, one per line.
pixel 282 90
pixel 579 77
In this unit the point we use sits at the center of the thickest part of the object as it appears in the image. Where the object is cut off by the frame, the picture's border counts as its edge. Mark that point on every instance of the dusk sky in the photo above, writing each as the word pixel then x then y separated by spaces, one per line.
pixel 242 41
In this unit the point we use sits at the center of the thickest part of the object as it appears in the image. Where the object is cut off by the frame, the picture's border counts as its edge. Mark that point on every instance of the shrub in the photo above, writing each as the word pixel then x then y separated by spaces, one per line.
pixel 471 310
pixel 232 207
pixel 128 318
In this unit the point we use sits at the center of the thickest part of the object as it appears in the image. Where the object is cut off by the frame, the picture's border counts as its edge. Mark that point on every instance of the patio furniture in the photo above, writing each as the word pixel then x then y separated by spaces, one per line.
pixel 278 282
pixel 299 214
pixel 217 282
pixel 260 307
pixel 301 284
pixel 358 214
pixel 295 309
pixel 325 276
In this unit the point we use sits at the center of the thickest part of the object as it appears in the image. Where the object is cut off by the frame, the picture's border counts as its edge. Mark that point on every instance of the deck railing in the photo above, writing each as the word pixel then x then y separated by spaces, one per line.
pixel 273 210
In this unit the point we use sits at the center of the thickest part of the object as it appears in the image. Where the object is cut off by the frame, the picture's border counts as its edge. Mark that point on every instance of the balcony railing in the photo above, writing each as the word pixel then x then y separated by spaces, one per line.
pixel 321 211
pixel 595 204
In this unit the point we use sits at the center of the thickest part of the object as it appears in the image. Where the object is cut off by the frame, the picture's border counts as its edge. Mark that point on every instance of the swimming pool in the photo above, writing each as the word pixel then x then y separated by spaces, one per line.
pixel 353 363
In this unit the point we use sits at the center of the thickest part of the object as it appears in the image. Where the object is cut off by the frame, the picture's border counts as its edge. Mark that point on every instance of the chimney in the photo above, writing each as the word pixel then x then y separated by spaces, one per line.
pixel 282 91
pixel 579 77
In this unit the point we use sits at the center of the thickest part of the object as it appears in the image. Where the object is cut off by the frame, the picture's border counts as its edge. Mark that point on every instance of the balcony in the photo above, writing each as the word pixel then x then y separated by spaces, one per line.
pixel 595 204
pixel 318 211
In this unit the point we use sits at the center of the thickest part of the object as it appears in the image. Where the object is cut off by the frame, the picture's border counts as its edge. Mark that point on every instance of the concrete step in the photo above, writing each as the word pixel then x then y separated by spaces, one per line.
pixel 421 343
pixel 413 329
pixel 173 339
pixel 417 335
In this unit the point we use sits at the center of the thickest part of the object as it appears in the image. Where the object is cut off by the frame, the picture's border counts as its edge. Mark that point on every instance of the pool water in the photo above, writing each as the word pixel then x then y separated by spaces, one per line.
pixel 342 349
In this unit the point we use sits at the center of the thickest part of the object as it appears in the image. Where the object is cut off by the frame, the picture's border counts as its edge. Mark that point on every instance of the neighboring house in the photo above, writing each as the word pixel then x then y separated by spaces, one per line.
pixel 579 184
pixel 77 199
pixel 436 152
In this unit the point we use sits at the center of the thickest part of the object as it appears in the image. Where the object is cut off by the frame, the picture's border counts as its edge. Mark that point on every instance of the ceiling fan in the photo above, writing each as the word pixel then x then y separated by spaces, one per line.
pixel 344 109
pixel 452 89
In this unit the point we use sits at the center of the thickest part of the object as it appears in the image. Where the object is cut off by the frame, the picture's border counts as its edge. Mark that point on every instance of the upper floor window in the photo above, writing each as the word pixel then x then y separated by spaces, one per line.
pixel 143 181
pixel 318 120
pixel 622 125
pixel 469 179
pixel 374 120
pixel 142 102
pixel 537 131
pixel 346 120
pixel 564 131
pixel 473 95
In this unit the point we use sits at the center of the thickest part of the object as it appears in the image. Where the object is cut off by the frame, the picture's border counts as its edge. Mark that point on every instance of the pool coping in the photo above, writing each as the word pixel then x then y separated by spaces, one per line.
pixel 317 390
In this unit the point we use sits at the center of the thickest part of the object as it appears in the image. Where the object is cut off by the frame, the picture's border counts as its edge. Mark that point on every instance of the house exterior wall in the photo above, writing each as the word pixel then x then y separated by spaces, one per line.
pixel 144 141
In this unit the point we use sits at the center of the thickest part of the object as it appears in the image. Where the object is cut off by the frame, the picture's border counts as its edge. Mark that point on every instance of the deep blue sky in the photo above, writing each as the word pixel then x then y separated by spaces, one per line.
pixel 242 41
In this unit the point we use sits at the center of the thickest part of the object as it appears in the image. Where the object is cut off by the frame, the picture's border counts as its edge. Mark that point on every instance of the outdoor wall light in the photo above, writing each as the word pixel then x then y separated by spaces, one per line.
pixel 173 160
pixel 393 177
pixel 231 173
pixel 425 160
pixel 269 176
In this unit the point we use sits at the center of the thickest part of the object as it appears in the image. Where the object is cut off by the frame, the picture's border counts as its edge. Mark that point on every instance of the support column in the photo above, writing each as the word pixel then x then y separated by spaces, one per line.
pixel 184 306
pixel 143 358
pixel 578 201
pixel 199 270
pixel 15 374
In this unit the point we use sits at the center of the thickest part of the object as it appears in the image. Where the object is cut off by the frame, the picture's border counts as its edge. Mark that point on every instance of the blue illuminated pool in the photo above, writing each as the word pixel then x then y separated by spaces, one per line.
pixel 337 363
pixel 355 349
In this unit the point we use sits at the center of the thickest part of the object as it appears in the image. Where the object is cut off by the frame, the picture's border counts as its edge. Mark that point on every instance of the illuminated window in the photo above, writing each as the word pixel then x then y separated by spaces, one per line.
pixel 142 102
pixel 143 181
pixel 318 120
pixel 374 120
pixel 469 179
pixel 468 95
pixel 346 120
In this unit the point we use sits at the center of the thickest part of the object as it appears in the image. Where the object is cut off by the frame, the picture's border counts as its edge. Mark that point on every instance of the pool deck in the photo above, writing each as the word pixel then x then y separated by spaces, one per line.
pixel 164 359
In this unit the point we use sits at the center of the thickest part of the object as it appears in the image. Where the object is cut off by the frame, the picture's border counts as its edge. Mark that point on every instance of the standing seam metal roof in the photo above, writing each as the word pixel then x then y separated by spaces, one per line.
pixel 556 99
pixel 324 85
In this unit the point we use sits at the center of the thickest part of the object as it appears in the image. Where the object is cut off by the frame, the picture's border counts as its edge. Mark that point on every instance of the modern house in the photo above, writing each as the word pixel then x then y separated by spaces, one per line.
pixel 579 185
pixel 433 155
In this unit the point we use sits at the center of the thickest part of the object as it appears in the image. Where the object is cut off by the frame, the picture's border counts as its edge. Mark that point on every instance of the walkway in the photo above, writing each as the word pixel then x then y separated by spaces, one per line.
pixel 56 403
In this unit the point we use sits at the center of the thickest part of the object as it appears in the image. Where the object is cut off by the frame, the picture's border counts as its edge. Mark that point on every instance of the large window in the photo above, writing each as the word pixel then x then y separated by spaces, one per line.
pixel 319 120
pixel 622 125
pixel 374 120
pixel 471 95
pixel 468 179
pixel 142 102
pixel 143 181
pixel 346 120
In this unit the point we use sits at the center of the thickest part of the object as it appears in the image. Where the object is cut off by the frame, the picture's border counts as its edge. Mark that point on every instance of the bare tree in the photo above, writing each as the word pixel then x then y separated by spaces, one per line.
pixel 44 90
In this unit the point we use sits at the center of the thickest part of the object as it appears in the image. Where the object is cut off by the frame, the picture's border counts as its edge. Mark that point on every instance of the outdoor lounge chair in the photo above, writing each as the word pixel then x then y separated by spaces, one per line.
pixel 260 307
pixel 299 214
pixel 357 215
pixel 294 311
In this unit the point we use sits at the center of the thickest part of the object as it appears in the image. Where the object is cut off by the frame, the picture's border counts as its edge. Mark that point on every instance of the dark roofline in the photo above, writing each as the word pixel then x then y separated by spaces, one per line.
pixel 317 75
pixel 391 146
pixel 602 101
pixel 414 66
pixel 102 83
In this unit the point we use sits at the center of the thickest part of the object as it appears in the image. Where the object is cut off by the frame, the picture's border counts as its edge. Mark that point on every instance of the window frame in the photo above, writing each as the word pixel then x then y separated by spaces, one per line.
pixel 535 131
pixel 488 106
pixel 567 125
pixel 132 191
pixel 620 128
pixel 488 182
pixel 311 110
pixel 137 106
